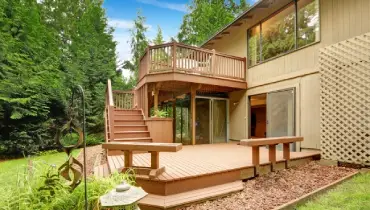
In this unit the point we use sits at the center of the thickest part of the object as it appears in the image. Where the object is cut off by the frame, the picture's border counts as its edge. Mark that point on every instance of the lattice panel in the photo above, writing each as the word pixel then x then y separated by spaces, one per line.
pixel 345 100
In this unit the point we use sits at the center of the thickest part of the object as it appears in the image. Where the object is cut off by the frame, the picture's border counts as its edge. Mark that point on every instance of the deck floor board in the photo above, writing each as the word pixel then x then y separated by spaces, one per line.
pixel 193 161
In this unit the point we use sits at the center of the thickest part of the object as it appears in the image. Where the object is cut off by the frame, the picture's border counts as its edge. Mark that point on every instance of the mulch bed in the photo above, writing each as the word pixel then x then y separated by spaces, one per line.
pixel 91 153
pixel 274 189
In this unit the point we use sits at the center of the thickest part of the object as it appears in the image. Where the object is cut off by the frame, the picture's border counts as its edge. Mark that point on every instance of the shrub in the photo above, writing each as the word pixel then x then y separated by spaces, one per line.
pixel 93 139
pixel 42 189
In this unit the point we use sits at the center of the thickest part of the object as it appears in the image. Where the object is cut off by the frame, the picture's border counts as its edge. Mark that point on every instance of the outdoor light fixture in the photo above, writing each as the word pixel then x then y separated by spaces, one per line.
pixel 123 197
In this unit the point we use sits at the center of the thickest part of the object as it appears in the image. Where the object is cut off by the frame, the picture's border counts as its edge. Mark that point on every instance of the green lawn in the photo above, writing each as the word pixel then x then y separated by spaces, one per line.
pixel 10 170
pixel 353 194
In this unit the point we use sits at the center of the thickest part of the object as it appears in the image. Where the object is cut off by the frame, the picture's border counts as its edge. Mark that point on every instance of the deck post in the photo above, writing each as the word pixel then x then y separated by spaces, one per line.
pixel 193 93
pixel 128 159
pixel 272 156
pixel 154 160
pixel 256 159
pixel 174 56
pixel 286 154
pixel 174 119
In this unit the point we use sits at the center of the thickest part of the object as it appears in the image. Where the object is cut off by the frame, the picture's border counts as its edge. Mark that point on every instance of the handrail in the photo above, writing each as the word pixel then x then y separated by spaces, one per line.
pixel 110 93
pixel 109 112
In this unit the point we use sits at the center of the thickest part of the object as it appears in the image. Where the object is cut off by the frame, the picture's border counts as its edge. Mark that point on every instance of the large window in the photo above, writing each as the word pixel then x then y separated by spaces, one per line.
pixel 294 26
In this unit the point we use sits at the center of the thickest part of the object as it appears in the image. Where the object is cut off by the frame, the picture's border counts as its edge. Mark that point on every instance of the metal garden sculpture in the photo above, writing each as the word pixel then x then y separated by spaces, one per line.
pixel 73 126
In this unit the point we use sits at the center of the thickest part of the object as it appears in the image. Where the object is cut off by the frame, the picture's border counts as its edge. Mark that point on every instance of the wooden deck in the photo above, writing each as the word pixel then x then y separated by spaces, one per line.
pixel 200 172
pixel 198 160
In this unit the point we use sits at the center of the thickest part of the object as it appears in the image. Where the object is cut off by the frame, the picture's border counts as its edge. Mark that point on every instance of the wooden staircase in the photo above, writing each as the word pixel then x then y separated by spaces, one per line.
pixel 123 123
pixel 129 126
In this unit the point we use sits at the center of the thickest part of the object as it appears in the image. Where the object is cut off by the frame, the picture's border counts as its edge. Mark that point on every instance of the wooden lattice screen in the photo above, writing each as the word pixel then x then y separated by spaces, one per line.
pixel 345 101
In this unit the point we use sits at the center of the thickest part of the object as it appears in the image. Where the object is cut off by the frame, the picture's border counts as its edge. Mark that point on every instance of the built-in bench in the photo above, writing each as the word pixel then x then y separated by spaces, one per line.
pixel 153 148
pixel 271 142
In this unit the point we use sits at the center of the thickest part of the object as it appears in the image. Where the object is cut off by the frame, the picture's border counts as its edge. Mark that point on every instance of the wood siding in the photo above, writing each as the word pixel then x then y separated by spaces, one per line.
pixel 339 20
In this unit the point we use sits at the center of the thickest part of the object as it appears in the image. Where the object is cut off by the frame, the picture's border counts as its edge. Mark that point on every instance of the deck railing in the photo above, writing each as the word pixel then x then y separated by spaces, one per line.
pixel 176 57
pixel 123 99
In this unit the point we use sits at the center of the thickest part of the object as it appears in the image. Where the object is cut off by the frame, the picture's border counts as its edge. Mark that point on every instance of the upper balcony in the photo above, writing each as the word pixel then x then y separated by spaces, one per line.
pixel 182 63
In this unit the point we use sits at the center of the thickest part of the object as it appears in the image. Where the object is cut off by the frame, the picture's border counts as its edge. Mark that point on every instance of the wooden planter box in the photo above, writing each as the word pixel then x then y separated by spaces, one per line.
pixel 161 129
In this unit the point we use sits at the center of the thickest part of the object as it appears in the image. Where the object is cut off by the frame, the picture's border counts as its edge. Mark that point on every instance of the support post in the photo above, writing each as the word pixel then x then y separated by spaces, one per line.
pixel 156 88
pixel 256 159
pixel 193 93
pixel 154 160
pixel 128 159
pixel 286 154
pixel 174 119
pixel 272 156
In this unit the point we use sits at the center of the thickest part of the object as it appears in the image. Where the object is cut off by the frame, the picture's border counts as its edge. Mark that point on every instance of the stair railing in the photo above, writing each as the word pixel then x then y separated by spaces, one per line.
pixel 109 112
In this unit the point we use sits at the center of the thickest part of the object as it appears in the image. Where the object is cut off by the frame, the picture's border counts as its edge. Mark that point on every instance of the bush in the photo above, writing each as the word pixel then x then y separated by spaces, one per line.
pixel 42 190
pixel 93 139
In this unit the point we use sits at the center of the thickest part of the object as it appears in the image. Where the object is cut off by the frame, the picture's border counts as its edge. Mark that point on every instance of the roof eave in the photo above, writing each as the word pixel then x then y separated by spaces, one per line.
pixel 254 6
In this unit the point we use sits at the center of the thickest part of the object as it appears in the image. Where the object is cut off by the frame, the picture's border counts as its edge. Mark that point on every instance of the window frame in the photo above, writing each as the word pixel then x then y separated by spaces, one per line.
pixel 296 48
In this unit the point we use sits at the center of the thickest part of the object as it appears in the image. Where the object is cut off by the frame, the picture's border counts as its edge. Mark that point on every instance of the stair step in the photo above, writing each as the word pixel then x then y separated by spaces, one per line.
pixel 143 139
pixel 131 134
pixel 127 111
pixel 182 199
pixel 128 116
pixel 129 122
pixel 130 128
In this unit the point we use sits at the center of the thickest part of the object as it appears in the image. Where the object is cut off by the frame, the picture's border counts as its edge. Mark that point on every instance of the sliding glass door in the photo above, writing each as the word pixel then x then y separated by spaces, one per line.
pixel 281 114
pixel 211 120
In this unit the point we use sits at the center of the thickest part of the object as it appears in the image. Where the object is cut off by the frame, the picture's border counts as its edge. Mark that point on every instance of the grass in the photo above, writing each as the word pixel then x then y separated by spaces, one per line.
pixel 10 169
pixel 352 195
pixel 20 190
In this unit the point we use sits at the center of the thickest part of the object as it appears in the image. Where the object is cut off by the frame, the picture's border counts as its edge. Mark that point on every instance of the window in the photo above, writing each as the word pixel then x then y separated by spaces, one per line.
pixel 294 26
pixel 278 33
pixel 308 22
pixel 254 45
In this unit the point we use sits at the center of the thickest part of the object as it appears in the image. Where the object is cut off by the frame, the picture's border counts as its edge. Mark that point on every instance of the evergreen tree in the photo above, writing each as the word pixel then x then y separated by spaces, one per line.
pixel 159 37
pixel 46 48
pixel 206 17
pixel 138 43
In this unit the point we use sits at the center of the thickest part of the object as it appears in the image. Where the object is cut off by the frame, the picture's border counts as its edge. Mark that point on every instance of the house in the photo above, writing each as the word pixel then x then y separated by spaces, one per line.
pixel 282 68
pixel 260 76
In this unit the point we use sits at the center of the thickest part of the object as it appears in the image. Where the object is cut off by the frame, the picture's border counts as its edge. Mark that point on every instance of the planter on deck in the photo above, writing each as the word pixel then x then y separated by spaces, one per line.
pixel 161 129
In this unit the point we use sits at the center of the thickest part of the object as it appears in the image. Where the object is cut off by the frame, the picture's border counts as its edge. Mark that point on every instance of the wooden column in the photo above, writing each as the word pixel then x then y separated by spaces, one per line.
pixel 192 103
pixel 193 92
pixel 128 159
pixel 272 156
pixel 154 160
pixel 156 88
pixel 256 159
pixel 286 154
pixel 174 119
pixel 146 104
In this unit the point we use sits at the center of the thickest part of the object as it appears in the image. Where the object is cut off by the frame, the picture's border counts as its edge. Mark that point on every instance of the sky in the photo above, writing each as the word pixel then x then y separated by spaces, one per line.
pixel 165 13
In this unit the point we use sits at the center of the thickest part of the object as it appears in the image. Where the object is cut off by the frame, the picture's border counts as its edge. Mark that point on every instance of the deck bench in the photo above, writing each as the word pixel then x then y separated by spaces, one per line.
pixel 153 148
pixel 271 142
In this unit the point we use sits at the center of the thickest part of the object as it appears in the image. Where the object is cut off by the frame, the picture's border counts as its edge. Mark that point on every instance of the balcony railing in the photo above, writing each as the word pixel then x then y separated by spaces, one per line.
pixel 176 57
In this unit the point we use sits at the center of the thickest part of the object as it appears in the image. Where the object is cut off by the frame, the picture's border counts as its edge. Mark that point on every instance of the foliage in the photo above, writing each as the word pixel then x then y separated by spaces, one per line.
pixel 159 37
pixel 353 194
pixel 159 113
pixel 138 43
pixel 42 190
pixel 206 17
pixel 91 140
pixel 46 48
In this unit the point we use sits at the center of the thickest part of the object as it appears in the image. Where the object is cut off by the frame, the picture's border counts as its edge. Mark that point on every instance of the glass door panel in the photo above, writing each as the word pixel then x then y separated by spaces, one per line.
pixel 281 114
pixel 202 121
pixel 219 121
